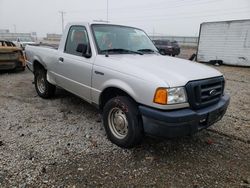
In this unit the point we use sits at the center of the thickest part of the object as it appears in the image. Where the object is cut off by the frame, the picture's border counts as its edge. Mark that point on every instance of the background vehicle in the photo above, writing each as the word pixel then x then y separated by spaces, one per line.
pixel 226 42
pixel 167 47
pixel 23 41
pixel 11 57
pixel 118 70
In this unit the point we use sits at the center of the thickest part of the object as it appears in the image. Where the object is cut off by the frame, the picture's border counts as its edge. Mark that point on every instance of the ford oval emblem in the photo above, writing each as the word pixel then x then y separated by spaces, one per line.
pixel 212 92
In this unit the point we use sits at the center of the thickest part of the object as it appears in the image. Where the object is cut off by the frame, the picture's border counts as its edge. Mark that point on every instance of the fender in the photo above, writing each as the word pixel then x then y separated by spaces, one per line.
pixel 115 83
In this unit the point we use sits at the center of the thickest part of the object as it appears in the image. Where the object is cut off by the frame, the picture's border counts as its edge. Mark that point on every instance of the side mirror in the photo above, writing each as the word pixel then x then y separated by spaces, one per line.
pixel 84 49
pixel 81 48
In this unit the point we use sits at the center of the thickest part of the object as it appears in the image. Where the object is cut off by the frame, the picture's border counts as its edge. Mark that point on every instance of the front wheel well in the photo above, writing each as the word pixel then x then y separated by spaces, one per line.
pixel 110 93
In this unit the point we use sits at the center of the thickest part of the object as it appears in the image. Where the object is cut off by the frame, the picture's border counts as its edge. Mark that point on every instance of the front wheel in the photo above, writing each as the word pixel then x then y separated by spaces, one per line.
pixel 43 88
pixel 122 122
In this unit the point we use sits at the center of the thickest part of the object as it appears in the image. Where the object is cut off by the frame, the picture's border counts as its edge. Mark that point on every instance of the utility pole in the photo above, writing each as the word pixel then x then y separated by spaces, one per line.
pixel 107 10
pixel 62 15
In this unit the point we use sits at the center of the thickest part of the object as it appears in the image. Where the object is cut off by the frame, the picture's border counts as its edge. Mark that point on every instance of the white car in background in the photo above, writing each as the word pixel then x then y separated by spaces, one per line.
pixel 23 41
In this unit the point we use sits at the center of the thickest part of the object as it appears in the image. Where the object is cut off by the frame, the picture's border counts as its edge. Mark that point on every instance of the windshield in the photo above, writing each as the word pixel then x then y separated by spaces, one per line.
pixel 120 39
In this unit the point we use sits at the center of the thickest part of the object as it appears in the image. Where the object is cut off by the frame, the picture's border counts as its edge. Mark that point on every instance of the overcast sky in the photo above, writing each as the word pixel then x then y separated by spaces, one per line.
pixel 168 17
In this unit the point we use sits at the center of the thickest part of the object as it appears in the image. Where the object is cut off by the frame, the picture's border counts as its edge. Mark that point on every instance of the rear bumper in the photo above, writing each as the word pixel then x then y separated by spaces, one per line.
pixel 9 65
pixel 182 122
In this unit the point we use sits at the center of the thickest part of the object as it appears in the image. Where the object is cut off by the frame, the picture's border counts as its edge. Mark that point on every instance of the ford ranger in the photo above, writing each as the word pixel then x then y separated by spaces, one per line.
pixel 138 91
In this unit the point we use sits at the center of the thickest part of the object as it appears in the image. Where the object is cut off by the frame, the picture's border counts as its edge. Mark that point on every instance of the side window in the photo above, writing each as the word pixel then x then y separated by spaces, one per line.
pixel 77 35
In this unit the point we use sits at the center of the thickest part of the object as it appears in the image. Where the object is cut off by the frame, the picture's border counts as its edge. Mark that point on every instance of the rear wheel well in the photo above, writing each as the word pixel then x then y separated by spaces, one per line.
pixel 37 66
pixel 110 93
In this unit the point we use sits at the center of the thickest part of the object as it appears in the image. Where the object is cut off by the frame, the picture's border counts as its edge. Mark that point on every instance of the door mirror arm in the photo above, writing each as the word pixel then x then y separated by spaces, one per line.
pixel 88 52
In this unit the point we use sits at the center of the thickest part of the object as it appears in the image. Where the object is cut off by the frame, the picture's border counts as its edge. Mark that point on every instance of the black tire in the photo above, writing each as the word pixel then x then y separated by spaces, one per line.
pixel 48 89
pixel 130 110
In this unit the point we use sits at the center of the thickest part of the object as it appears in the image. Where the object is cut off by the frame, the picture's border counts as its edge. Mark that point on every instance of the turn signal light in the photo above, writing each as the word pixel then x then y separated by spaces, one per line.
pixel 161 96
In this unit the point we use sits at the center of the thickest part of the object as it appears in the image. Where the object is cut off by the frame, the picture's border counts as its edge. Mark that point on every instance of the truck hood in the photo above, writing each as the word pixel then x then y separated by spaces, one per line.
pixel 157 68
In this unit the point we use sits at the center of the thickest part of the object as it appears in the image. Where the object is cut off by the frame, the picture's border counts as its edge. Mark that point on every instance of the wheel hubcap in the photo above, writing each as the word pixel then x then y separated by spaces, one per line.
pixel 41 83
pixel 118 123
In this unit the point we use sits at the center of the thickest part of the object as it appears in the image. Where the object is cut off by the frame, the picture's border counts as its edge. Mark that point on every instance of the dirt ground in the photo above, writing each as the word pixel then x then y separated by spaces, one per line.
pixel 60 143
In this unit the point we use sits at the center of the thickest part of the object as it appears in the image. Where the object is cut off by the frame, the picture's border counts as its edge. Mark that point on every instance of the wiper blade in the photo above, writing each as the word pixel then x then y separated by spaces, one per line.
pixel 121 50
pixel 147 50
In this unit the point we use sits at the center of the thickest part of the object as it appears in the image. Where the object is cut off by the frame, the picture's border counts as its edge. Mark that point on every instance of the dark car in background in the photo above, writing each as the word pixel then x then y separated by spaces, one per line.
pixel 167 47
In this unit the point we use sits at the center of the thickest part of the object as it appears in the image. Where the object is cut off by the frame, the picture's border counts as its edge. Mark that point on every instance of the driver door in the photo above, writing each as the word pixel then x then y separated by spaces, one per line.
pixel 74 70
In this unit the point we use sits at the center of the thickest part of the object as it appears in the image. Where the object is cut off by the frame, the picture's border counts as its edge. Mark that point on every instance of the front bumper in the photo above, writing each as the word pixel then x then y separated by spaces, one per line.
pixel 182 122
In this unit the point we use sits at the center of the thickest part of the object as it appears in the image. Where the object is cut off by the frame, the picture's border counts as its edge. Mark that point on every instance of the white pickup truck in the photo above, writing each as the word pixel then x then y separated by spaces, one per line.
pixel 139 92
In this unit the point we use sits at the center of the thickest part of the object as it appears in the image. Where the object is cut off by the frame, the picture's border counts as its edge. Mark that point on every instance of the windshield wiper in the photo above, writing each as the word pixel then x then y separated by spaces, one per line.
pixel 147 50
pixel 120 50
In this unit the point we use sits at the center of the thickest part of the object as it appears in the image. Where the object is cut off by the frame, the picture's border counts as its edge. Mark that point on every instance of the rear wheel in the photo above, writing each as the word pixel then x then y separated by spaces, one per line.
pixel 43 88
pixel 122 122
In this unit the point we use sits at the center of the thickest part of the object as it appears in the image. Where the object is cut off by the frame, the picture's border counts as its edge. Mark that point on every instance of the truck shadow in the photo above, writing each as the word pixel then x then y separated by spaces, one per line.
pixel 71 99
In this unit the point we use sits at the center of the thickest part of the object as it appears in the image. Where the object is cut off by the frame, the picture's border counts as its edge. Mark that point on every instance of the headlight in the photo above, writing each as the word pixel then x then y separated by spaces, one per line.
pixel 176 95
pixel 170 96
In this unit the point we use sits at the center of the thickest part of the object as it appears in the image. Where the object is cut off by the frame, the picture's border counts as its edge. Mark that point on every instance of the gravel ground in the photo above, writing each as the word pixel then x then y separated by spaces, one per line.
pixel 60 143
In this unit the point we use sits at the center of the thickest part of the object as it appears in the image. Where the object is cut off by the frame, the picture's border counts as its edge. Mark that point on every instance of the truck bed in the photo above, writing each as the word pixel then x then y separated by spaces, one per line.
pixel 45 54
pixel 54 46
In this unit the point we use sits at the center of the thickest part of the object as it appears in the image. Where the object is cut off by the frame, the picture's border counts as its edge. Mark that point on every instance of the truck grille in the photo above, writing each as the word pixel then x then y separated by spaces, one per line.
pixel 202 93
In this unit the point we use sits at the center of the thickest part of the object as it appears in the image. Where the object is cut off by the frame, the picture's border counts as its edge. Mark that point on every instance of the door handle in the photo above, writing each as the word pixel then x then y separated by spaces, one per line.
pixel 60 59
pixel 97 72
